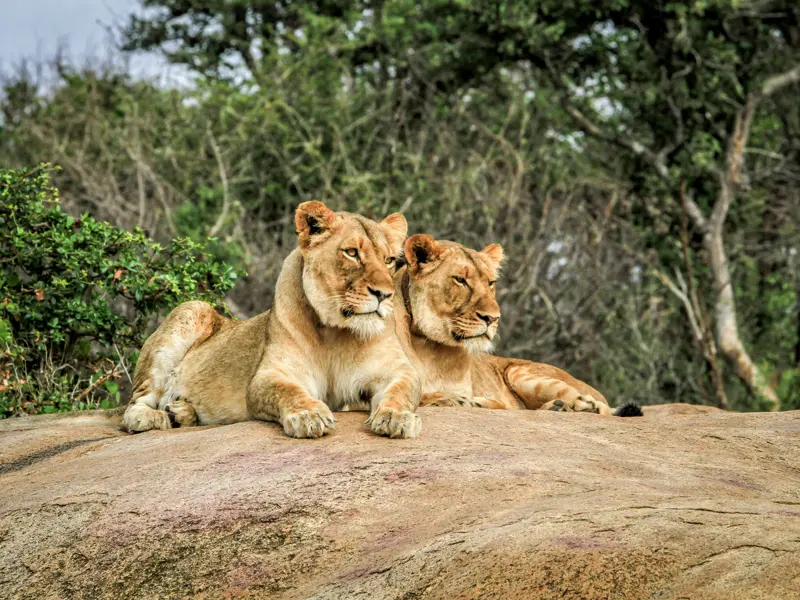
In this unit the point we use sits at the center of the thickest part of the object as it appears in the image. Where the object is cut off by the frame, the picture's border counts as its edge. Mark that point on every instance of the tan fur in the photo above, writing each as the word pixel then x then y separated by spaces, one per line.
pixel 328 342
pixel 445 298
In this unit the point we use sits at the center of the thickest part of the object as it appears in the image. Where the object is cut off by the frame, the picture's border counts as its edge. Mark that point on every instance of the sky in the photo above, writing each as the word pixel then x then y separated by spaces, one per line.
pixel 36 29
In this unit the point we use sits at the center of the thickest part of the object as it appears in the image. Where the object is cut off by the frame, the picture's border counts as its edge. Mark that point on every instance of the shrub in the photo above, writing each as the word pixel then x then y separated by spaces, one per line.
pixel 78 297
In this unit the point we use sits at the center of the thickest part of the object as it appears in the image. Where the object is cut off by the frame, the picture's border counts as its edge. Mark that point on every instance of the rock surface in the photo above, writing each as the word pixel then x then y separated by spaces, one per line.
pixel 683 503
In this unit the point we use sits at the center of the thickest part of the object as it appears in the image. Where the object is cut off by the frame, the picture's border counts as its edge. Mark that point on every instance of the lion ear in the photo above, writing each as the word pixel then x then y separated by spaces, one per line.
pixel 421 250
pixel 494 252
pixel 313 221
pixel 396 227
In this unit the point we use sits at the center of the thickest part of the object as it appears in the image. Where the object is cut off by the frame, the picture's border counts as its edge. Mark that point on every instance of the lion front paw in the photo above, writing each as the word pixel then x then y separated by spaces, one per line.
pixel 140 417
pixel 395 423
pixel 181 413
pixel 578 404
pixel 308 422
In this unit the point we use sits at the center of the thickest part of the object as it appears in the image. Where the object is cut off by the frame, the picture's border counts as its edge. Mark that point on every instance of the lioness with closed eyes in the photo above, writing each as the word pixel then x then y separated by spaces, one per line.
pixel 329 341
pixel 447 318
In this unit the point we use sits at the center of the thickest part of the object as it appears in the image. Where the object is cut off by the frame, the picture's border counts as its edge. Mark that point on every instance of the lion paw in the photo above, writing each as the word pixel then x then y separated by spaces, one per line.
pixel 140 417
pixel 578 404
pixel 395 423
pixel 308 423
pixel 181 413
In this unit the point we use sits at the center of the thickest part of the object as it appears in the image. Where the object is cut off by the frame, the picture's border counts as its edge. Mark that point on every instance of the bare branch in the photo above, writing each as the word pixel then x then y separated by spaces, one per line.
pixel 737 144
pixel 687 262
pixel 226 195
pixel 776 82
pixel 741 133
pixel 142 195
pixel 695 214
pixel 656 160
pixel 143 167
pixel 681 295
pixel 722 204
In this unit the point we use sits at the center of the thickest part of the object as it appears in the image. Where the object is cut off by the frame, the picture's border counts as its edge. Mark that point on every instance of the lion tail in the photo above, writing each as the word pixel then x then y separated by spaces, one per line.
pixel 629 409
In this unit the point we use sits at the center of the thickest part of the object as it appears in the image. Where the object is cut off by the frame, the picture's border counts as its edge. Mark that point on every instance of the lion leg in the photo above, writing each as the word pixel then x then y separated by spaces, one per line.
pixel 447 399
pixel 275 396
pixel 547 393
pixel 579 403
pixel 393 408
pixel 156 381
pixel 493 403
pixel 454 400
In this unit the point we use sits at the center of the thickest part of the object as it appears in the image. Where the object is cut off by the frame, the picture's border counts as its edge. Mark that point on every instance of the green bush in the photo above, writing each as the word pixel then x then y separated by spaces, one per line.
pixel 78 297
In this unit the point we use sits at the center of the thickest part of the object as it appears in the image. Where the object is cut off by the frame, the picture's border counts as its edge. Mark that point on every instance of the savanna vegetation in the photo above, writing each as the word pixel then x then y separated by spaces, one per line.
pixel 79 297
pixel 638 161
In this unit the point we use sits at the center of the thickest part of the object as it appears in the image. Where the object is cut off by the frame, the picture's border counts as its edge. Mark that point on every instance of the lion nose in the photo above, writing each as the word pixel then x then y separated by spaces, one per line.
pixel 489 319
pixel 381 296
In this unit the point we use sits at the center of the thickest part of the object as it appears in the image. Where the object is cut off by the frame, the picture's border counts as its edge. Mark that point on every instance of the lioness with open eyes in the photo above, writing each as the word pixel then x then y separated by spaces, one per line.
pixel 447 317
pixel 328 342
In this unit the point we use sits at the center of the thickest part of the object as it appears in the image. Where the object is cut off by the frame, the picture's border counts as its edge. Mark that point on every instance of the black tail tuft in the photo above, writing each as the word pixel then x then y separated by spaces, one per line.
pixel 629 410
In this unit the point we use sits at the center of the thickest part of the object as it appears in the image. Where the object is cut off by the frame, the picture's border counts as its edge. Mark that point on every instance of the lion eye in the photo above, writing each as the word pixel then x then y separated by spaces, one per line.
pixel 351 252
pixel 460 280
pixel 390 260
pixel 491 284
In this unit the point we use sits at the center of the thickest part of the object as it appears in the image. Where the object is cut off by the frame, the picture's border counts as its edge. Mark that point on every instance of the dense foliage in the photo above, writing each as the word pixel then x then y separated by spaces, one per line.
pixel 563 130
pixel 77 297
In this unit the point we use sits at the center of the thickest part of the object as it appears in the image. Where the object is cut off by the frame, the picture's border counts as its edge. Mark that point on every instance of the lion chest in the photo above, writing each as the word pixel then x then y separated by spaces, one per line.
pixel 351 379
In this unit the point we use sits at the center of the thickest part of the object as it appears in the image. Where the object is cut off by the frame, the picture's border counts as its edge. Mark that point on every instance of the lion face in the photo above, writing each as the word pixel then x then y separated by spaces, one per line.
pixel 348 263
pixel 452 292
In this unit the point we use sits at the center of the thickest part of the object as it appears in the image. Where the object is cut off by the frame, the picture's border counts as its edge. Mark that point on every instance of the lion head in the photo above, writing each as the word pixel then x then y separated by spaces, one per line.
pixel 348 263
pixel 450 292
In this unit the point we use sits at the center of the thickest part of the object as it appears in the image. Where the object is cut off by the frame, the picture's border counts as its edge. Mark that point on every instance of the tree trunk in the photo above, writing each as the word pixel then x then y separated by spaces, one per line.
pixel 728 340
